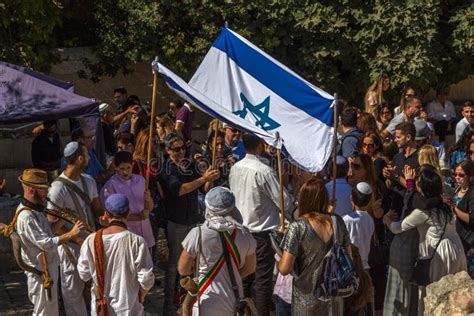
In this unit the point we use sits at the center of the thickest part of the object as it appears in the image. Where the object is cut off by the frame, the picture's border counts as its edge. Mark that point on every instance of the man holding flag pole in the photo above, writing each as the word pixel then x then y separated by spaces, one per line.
pixel 239 84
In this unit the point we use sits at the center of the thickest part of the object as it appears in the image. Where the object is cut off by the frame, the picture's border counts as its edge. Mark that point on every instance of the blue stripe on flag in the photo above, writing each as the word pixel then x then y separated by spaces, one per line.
pixel 290 88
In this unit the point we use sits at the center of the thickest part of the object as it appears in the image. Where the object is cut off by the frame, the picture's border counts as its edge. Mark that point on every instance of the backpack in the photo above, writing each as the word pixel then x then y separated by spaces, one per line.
pixel 338 275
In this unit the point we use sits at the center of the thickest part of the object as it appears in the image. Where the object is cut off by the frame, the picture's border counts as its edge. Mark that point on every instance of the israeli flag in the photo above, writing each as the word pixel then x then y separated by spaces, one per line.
pixel 208 106
pixel 254 86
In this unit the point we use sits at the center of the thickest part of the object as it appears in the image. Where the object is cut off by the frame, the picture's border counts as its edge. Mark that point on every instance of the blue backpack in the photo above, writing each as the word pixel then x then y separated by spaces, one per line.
pixel 338 276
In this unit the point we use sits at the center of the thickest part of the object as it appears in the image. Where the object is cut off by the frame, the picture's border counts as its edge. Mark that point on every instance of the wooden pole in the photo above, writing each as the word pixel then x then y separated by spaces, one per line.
pixel 150 134
pixel 282 198
pixel 334 165
pixel 214 144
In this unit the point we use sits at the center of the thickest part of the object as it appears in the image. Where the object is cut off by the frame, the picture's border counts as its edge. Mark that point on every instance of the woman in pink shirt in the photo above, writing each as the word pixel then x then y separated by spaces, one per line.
pixel 133 187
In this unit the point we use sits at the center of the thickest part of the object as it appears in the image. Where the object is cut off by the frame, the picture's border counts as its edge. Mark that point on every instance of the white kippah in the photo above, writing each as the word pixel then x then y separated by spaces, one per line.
pixel 70 149
pixel 364 188
pixel 104 107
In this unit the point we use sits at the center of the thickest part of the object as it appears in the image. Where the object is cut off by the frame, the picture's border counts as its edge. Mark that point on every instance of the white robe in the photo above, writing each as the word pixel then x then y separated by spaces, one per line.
pixel 35 234
pixel 128 266
pixel 72 286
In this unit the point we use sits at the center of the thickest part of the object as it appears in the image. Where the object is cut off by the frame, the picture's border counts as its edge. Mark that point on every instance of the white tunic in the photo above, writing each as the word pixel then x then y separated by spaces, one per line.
pixel 35 234
pixel 71 285
pixel 128 266
pixel 218 299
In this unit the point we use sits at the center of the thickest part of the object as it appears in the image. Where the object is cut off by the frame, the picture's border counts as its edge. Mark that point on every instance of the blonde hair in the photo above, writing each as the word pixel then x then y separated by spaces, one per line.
pixel 212 126
pixel 376 86
pixel 166 124
pixel 141 147
pixel 428 155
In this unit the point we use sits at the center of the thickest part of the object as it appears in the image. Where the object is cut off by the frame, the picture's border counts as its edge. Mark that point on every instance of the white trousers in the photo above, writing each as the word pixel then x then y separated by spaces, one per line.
pixel 71 285
pixel 37 294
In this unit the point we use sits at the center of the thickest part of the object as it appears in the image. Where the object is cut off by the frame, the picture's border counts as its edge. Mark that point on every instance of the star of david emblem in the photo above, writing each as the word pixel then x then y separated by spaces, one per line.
pixel 259 111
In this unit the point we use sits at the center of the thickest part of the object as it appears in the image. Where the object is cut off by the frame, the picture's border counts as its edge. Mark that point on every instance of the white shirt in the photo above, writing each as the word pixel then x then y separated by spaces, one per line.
pixel 257 194
pixel 35 234
pixel 460 127
pixel 128 266
pixel 360 226
pixel 437 112
pixel 218 298
pixel 59 194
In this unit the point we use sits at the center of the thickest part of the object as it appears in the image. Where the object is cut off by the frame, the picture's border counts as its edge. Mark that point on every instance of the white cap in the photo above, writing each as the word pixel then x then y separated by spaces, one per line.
pixel 364 188
pixel 70 149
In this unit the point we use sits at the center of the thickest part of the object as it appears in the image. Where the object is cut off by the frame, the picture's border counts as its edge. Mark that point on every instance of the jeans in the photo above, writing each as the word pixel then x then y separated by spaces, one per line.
pixel 262 279
pixel 176 235
pixel 282 308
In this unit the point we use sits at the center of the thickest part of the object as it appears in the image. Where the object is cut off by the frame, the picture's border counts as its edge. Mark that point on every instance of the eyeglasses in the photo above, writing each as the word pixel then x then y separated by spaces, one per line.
pixel 365 145
pixel 178 149
pixel 461 175
pixel 356 166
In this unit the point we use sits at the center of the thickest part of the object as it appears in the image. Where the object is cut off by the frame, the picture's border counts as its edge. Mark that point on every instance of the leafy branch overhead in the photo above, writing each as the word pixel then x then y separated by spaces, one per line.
pixel 338 44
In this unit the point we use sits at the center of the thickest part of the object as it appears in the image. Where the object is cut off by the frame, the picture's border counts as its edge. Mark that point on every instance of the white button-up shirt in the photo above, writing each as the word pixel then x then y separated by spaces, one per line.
pixel 437 112
pixel 257 194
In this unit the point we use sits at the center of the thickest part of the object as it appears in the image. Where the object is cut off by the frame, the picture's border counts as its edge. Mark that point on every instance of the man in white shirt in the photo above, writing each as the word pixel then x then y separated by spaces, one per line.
pixel 359 223
pixel 442 114
pixel 77 192
pixel 39 245
pixel 204 245
pixel 126 274
pixel 468 118
pixel 257 193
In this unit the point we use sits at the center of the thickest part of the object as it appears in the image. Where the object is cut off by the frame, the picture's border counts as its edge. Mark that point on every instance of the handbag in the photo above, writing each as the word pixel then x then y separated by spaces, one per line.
pixel 379 252
pixel 243 307
pixel 421 269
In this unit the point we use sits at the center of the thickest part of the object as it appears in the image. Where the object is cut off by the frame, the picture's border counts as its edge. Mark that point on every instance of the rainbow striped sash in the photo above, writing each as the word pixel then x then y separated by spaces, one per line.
pixel 234 254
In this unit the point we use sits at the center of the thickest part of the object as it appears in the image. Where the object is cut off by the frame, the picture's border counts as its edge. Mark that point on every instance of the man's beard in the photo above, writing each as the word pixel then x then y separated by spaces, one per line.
pixel 39 198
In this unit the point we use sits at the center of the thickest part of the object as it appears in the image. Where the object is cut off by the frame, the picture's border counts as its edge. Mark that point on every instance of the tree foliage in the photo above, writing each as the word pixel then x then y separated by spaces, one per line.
pixel 339 45
pixel 26 28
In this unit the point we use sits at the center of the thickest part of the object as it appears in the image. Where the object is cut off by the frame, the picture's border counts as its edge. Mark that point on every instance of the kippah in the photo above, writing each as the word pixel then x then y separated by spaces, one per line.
pixel 117 204
pixel 70 149
pixel 364 188
pixel 104 107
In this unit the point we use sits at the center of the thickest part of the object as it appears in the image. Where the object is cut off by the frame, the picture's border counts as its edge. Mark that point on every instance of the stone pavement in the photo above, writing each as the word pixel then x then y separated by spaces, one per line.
pixel 14 295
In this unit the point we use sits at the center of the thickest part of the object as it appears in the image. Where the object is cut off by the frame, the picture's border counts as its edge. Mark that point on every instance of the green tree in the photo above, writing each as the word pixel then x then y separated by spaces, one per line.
pixel 26 32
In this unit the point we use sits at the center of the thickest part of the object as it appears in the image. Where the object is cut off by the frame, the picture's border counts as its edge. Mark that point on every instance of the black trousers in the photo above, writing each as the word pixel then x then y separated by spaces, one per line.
pixel 262 279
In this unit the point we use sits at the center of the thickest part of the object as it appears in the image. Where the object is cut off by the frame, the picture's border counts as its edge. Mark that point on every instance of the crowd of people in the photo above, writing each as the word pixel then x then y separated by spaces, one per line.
pixel 403 196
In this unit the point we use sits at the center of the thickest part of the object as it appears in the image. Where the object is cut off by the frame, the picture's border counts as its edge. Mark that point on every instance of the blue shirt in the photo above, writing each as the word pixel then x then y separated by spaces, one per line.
pixel 238 151
pixel 343 196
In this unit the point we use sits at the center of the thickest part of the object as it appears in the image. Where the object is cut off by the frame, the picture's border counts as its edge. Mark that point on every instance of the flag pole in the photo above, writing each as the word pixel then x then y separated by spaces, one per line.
pixel 282 198
pixel 214 144
pixel 152 118
pixel 334 165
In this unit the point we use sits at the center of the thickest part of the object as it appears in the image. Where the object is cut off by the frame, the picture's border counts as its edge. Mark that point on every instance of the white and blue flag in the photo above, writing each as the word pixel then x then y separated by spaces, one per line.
pixel 208 106
pixel 247 82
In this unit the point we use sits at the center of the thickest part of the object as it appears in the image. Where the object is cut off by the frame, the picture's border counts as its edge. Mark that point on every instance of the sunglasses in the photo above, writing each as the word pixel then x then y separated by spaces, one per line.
pixel 410 95
pixel 178 149
pixel 461 175
pixel 368 145
pixel 470 152
pixel 386 113
pixel 356 166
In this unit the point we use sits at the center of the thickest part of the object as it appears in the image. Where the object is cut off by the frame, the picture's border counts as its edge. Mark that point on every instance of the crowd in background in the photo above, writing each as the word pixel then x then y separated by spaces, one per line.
pixel 402 192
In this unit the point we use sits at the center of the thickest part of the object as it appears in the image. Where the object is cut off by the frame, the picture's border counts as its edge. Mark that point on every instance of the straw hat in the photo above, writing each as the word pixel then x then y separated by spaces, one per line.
pixel 35 178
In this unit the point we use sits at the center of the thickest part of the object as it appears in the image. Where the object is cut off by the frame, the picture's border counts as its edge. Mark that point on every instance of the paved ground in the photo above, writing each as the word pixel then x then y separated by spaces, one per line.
pixel 14 295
